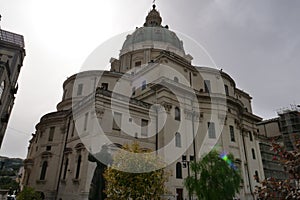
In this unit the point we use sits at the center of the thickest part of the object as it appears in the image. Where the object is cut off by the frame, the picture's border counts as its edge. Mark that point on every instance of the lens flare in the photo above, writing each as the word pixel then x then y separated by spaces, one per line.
pixel 224 157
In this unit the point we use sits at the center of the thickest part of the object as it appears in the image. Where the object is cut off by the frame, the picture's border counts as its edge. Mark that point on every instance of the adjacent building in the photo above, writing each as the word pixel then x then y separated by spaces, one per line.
pixel 289 121
pixel 269 131
pixel 152 94
pixel 12 54
pixel 284 129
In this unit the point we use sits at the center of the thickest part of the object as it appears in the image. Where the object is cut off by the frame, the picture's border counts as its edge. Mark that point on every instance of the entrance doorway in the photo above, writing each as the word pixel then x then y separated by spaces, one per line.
pixel 179 194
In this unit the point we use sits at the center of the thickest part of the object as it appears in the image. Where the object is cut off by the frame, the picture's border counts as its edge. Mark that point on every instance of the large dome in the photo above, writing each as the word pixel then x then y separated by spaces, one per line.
pixel 153 35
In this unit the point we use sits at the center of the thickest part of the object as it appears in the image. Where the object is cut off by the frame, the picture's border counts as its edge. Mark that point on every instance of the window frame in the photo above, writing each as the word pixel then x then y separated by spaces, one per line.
pixel 176 80
pixel 66 166
pixel 51 134
pixel 86 120
pixel 44 171
pixel 250 136
pixel 253 154
pixel 177 114
pixel 2 88
pixel 79 89
pixel 117 125
pixel 178 170
pixel 78 166
pixel 178 140
pixel 232 134
pixel 211 129
pixel 144 127
pixel 104 86
pixel 207 86
pixel 226 88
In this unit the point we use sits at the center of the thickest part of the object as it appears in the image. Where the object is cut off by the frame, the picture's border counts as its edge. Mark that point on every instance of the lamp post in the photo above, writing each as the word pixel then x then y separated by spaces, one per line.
pixel 186 164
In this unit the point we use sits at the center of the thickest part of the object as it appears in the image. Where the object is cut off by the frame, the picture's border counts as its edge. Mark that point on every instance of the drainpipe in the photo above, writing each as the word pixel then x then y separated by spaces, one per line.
pixel 62 159
pixel 156 124
pixel 247 166
pixel 194 139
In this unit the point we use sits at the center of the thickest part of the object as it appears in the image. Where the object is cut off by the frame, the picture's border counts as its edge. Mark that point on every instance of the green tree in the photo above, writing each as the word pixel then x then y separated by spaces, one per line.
pixel 216 177
pixel 122 181
pixel 8 183
pixel 29 193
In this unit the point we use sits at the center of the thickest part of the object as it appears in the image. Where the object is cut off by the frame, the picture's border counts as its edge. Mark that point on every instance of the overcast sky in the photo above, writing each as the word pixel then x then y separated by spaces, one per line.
pixel 256 42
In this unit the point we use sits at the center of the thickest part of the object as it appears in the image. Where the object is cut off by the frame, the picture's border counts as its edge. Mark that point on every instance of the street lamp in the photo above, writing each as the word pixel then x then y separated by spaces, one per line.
pixel 186 164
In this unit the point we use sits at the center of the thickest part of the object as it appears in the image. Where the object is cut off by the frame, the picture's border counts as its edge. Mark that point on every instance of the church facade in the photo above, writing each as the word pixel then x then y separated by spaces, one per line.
pixel 12 53
pixel 154 95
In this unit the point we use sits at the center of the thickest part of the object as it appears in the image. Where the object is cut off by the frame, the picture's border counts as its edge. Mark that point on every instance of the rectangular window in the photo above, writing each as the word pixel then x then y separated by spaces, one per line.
pixel 211 130
pixel 253 154
pixel 144 85
pixel 79 89
pixel 207 86
pixel 117 118
pixel 226 90
pixel 138 63
pixel 72 128
pixel 231 129
pixel 66 169
pixel 104 86
pixel 250 136
pixel 144 126
pixel 48 148
pixel 133 91
pixel 86 117
pixel 51 134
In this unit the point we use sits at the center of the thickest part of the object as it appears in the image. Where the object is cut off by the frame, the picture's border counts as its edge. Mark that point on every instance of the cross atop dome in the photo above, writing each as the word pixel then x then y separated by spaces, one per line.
pixel 153 18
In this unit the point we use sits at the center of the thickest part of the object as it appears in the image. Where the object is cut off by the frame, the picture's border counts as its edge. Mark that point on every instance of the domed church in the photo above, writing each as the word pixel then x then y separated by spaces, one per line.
pixel 153 95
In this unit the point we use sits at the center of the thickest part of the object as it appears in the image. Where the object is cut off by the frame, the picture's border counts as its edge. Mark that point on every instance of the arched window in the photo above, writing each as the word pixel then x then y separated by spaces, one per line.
pixel 253 154
pixel 66 169
pixel 44 170
pixel 176 79
pixel 78 167
pixel 178 170
pixel 177 139
pixel 177 114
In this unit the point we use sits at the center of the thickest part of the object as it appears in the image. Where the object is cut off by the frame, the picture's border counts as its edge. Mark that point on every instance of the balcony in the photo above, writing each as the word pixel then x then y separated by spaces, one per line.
pixel 13 38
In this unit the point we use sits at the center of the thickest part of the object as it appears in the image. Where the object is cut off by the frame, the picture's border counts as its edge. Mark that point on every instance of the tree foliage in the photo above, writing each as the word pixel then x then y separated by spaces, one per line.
pixel 29 193
pixel 8 183
pixel 122 181
pixel 215 178
pixel 272 188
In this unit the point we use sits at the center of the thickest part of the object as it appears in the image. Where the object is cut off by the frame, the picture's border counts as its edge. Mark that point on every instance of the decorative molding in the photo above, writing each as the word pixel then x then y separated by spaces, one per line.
pixel 222 118
pixel 167 106
pixel 233 147
pixel 62 129
pixel 79 147
pixel 40 181
pixel 198 116
pixel 99 113
pixel 75 180
pixel 46 154
pixel 68 150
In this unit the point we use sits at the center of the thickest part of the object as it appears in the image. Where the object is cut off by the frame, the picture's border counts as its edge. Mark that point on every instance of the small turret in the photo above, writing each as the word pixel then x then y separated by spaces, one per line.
pixel 153 18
